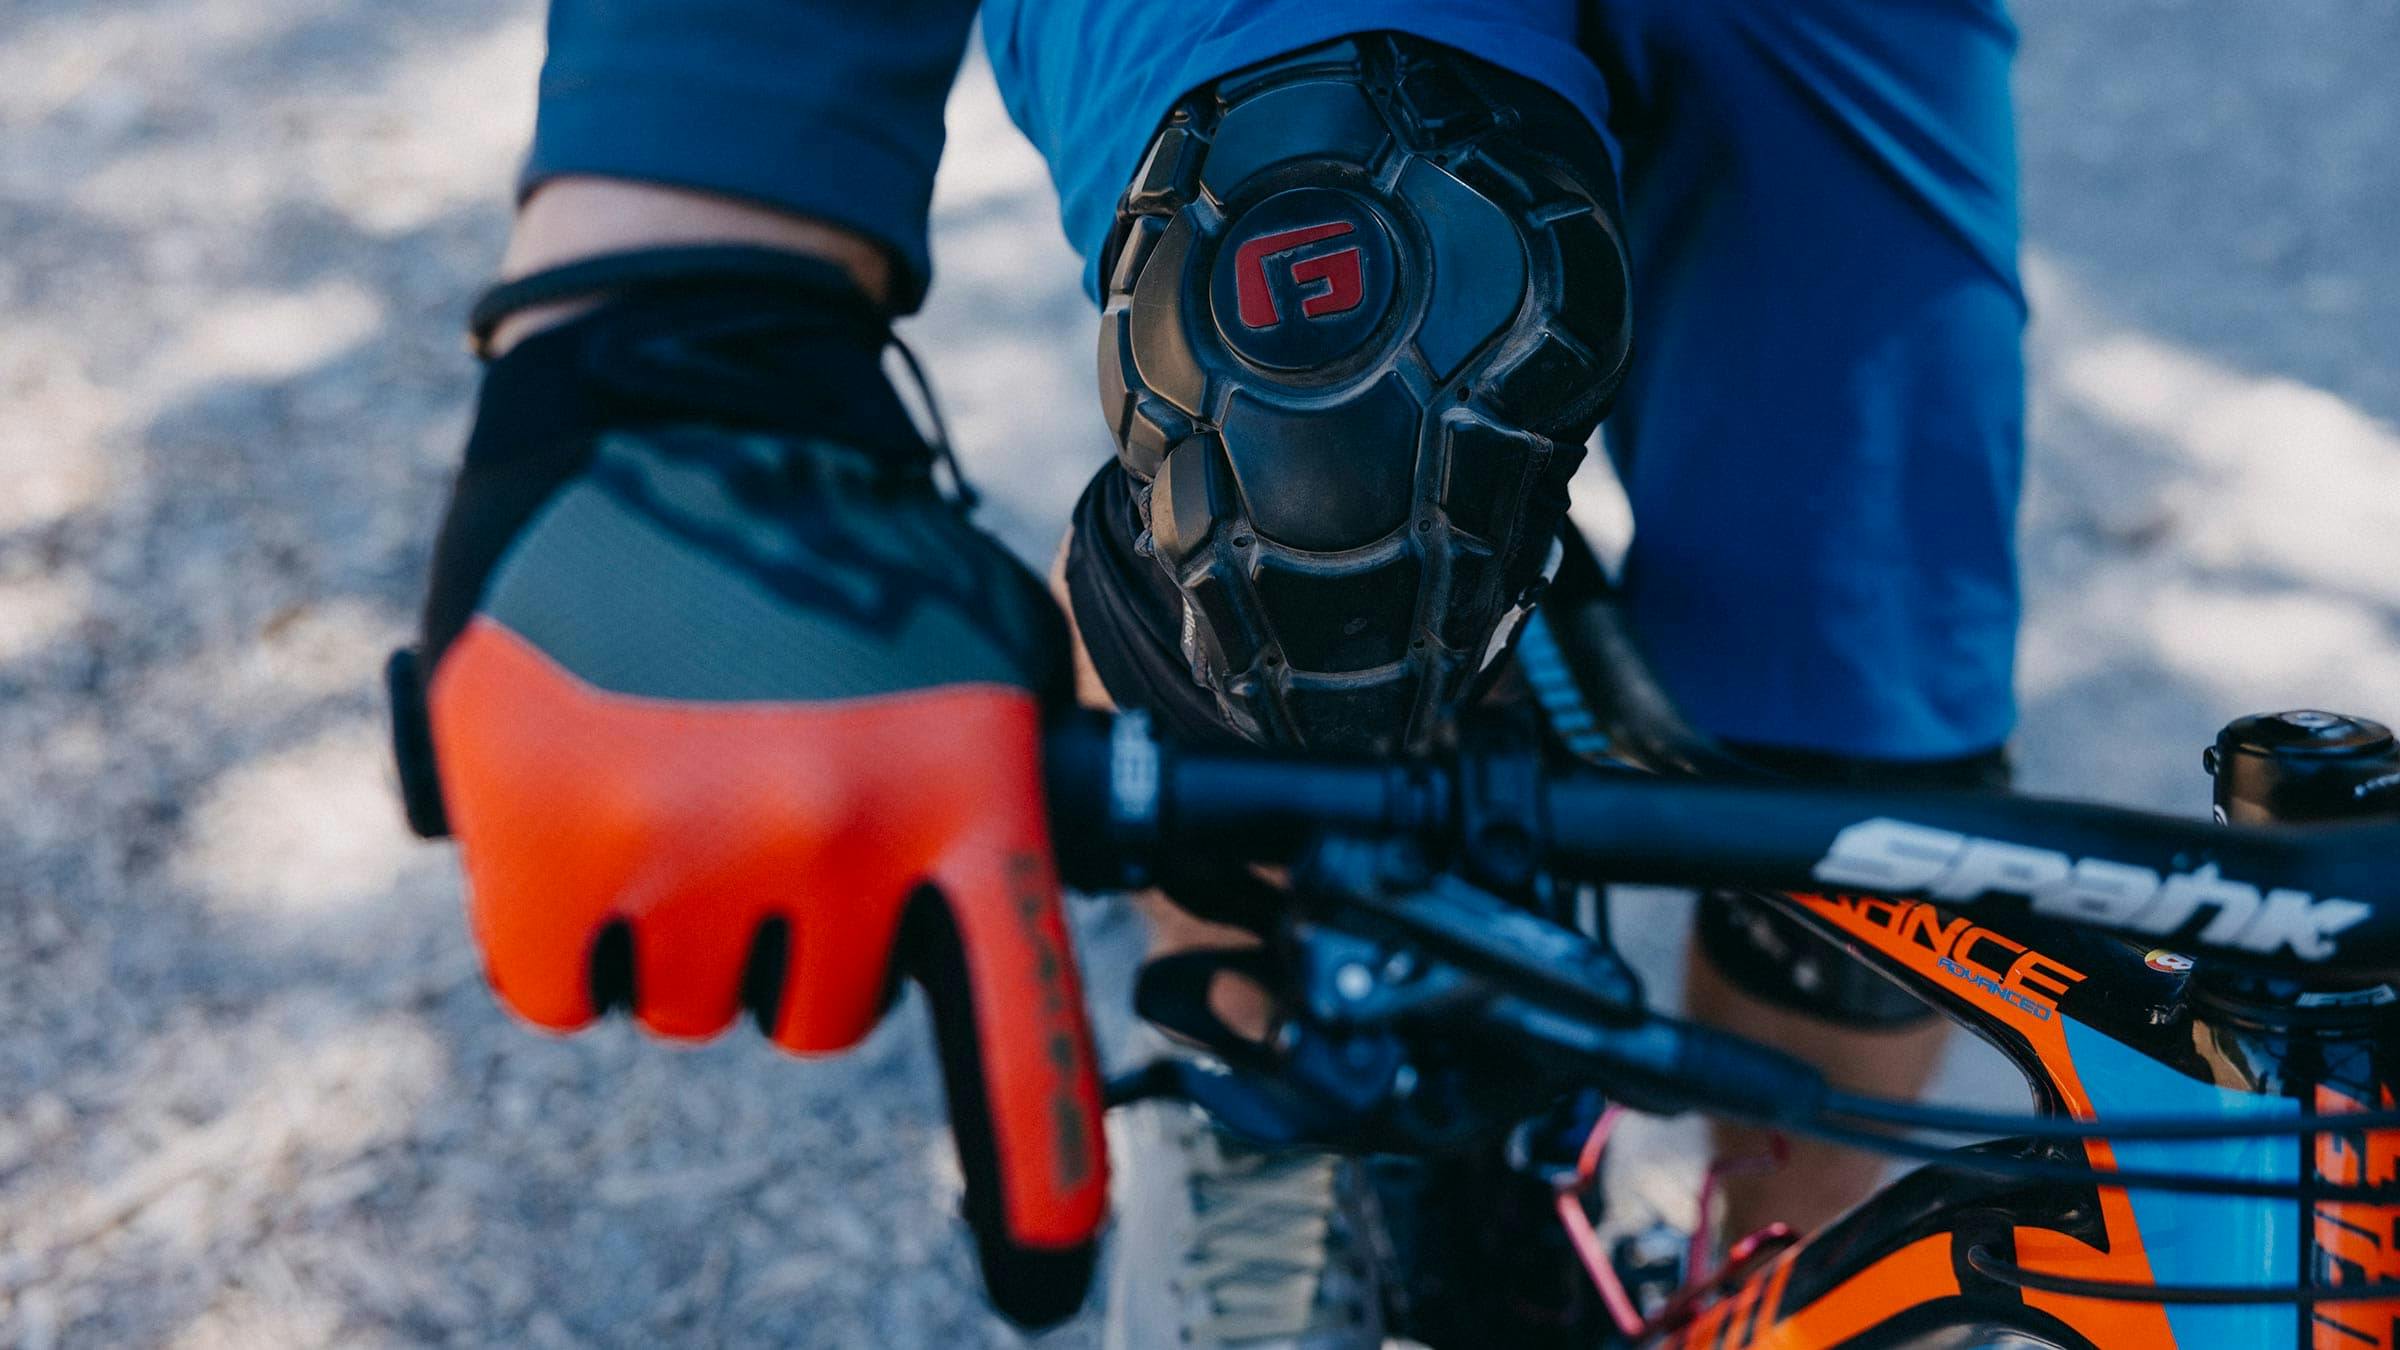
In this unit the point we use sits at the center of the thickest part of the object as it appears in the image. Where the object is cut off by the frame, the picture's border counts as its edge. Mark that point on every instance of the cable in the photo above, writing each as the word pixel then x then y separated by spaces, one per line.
pixel 1163 1079
pixel 2009 1272
pixel 1950 1120
pixel 2135 1179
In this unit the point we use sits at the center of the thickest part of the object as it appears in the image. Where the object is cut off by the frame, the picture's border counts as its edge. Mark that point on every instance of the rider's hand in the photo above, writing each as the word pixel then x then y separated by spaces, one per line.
pixel 732 709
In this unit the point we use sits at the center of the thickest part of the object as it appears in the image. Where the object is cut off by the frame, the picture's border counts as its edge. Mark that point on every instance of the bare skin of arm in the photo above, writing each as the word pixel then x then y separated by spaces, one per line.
pixel 572 218
pixel 568 219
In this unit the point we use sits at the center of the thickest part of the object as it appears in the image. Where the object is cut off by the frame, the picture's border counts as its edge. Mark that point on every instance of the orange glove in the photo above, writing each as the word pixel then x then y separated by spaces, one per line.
pixel 729 714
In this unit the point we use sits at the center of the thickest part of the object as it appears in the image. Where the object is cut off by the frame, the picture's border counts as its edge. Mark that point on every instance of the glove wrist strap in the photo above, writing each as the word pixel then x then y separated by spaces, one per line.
pixel 683 269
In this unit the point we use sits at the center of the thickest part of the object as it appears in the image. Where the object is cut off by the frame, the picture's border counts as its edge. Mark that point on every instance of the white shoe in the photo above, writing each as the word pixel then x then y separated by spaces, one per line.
pixel 1220 1244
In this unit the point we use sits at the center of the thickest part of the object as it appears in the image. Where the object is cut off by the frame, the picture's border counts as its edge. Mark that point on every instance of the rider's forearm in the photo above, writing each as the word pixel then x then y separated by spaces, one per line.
pixel 582 217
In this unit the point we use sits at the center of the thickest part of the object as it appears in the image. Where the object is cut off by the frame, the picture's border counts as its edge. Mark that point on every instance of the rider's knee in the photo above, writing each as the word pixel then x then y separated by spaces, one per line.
pixel 1365 304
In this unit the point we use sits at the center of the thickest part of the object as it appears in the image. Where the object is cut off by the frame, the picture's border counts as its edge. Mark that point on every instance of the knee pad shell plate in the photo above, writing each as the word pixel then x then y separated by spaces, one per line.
pixel 1365 305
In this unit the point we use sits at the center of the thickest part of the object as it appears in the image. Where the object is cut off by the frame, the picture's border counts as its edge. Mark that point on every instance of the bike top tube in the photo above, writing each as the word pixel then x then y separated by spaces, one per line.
pixel 2302 900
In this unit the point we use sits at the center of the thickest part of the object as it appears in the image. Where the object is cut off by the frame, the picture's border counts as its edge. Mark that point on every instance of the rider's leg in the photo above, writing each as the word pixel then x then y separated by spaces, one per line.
pixel 1217 1244
pixel 1760 975
pixel 1823 434
pixel 1363 305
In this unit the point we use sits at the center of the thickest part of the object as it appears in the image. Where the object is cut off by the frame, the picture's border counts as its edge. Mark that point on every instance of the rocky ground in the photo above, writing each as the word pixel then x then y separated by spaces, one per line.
pixel 251 1090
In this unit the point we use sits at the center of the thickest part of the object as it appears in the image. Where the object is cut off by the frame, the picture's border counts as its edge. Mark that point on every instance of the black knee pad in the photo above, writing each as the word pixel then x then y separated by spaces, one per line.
pixel 1778 960
pixel 1365 305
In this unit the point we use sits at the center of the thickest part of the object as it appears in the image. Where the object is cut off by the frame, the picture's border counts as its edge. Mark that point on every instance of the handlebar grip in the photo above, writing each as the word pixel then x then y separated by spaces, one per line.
pixel 1118 795
pixel 1077 760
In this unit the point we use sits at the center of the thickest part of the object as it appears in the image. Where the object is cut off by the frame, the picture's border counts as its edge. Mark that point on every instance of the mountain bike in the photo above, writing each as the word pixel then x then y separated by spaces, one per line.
pixel 2198 1008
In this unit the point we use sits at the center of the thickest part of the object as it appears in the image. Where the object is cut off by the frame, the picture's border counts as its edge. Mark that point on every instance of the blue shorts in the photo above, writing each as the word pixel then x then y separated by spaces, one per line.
pixel 1822 435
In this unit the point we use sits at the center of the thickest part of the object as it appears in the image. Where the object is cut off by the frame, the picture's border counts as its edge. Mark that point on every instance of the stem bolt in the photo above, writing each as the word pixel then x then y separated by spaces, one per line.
pixel 1354 982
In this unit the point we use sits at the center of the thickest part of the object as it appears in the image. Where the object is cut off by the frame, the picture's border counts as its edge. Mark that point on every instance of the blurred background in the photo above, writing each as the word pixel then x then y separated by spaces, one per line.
pixel 252 1092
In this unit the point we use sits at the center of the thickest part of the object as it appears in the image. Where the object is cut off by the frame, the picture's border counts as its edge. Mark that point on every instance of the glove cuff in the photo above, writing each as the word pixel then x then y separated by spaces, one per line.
pixel 714 350
pixel 711 350
pixel 680 270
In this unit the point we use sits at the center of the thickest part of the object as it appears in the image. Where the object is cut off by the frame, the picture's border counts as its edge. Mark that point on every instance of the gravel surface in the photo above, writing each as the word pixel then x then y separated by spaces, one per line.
pixel 251 1090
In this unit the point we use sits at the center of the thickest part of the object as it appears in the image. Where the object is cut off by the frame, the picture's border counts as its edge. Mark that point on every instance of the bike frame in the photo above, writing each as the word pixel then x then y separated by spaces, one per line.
pixel 2129 965
pixel 2099 1030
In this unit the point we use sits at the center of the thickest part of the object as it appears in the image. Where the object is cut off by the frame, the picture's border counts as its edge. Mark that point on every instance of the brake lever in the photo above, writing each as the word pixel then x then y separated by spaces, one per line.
pixel 1371 888
pixel 1351 981
pixel 1350 1068
pixel 1312 1092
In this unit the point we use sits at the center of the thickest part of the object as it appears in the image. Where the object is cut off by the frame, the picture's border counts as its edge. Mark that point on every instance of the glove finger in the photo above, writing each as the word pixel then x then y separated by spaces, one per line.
pixel 991 952
pixel 687 975
pixel 580 813
pixel 544 870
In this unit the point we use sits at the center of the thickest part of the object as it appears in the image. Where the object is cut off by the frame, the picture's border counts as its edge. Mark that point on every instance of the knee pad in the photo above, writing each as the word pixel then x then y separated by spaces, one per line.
pixel 1365 305
pixel 1777 959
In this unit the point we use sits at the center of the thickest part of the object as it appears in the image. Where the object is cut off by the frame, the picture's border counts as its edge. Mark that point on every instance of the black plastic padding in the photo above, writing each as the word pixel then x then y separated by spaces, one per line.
pixel 1225 647
pixel 1483 286
pixel 1152 429
pixel 1033 1287
pixel 1314 119
pixel 1525 384
pixel 1350 710
pixel 1130 614
pixel 1437 102
pixel 1326 478
pixel 1165 361
pixel 1168 173
pixel 1331 59
pixel 1593 262
pixel 412 747
pixel 1134 252
pixel 1193 491
pixel 1349 272
pixel 1472 569
pixel 1365 611
pixel 1487 467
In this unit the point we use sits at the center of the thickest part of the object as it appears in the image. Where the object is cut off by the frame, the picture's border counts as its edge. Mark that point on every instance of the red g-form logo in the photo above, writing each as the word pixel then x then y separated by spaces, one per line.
pixel 1342 288
pixel 1318 251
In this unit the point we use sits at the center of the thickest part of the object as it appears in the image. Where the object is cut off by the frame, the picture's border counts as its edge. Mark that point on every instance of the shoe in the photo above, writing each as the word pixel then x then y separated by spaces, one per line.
pixel 1222 1244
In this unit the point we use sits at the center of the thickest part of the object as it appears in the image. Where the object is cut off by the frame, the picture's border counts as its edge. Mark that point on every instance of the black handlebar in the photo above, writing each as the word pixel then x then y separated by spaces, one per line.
pixel 2321 899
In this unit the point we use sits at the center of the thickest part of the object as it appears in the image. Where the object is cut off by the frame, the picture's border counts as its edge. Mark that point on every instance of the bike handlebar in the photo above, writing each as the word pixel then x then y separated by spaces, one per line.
pixel 2320 899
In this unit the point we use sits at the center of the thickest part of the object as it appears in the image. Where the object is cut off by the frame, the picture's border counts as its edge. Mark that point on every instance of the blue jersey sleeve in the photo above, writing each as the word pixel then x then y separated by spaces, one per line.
pixel 825 108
